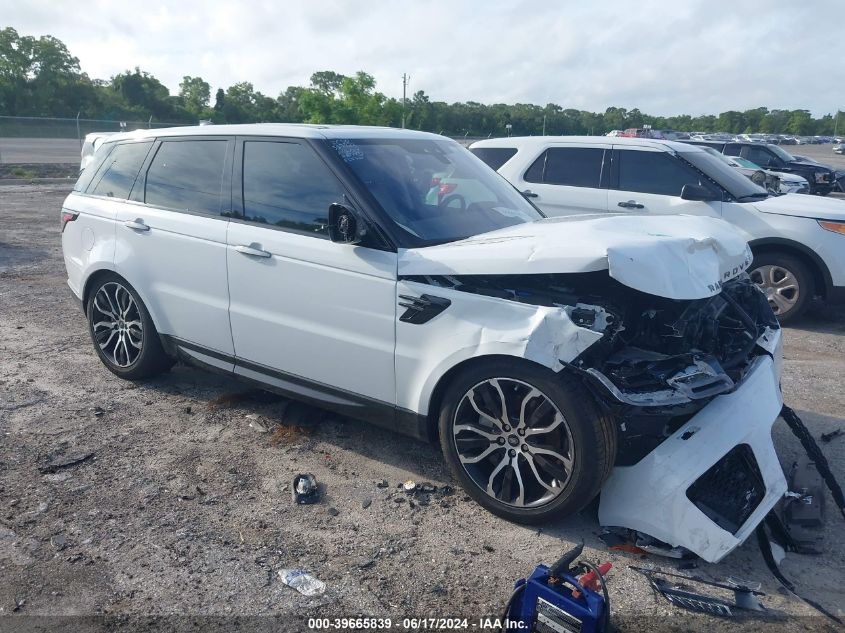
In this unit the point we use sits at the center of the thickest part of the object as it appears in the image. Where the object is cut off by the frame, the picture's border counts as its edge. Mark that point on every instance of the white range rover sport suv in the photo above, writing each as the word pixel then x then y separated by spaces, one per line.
pixel 392 276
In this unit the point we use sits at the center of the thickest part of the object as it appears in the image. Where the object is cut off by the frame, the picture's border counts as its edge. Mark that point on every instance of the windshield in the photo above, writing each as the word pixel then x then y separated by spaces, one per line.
pixel 435 191
pixel 782 153
pixel 732 180
pixel 744 162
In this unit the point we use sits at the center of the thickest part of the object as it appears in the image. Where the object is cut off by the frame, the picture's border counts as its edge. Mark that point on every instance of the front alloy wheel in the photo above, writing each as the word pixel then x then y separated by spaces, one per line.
pixel 513 442
pixel 526 443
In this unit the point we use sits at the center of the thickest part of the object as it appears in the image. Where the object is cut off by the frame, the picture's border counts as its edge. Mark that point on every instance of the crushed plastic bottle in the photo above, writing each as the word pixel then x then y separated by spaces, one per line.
pixel 303 582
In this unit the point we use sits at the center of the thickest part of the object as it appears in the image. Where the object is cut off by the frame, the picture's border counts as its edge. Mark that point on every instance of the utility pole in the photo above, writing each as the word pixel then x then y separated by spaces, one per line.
pixel 836 123
pixel 544 125
pixel 405 80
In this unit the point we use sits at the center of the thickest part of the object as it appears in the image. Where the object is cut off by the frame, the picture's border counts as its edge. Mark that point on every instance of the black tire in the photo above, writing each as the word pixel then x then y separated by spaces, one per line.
pixel 134 363
pixel 791 306
pixel 589 440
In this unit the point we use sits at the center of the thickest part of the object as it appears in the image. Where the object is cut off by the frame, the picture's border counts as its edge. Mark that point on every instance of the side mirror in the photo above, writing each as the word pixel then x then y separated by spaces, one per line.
pixel 698 192
pixel 344 226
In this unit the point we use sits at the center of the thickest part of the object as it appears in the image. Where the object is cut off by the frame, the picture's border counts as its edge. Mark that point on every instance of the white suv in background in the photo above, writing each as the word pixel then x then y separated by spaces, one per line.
pixel 798 241
pixel 391 276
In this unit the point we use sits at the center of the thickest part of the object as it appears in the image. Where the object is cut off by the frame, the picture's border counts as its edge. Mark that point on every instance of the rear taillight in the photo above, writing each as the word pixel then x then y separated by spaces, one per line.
pixel 68 216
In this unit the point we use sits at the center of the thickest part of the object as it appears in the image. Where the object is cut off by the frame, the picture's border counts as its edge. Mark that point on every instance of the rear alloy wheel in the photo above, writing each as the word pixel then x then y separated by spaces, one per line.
pixel 523 442
pixel 785 281
pixel 123 332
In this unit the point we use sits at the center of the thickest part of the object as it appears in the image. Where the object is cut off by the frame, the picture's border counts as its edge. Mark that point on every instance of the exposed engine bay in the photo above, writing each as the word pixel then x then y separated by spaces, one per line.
pixel 659 361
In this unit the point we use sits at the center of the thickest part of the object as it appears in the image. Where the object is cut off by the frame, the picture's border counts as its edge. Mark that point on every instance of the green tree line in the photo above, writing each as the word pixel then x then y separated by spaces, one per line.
pixel 40 77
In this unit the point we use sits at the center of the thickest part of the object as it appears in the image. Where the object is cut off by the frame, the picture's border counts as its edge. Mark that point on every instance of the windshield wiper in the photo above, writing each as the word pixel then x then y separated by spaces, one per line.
pixel 752 196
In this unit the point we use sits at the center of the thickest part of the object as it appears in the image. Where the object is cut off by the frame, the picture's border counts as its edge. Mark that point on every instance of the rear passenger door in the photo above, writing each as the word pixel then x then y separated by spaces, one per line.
pixel 171 243
pixel 308 315
pixel 566 179
pixel 650 180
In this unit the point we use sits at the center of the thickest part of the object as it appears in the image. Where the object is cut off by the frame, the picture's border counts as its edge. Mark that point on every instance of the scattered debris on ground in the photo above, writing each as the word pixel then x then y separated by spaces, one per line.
pixel 303 582
pixel 305 489
pixel 827 437
pixel 59 462
pixel 678 592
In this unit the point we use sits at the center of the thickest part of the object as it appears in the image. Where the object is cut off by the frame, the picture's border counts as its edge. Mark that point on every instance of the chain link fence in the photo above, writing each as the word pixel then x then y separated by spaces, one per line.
pixel 36 140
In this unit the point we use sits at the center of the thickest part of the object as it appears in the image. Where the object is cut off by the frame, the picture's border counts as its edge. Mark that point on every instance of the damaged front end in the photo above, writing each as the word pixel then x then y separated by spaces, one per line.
pixel 694 388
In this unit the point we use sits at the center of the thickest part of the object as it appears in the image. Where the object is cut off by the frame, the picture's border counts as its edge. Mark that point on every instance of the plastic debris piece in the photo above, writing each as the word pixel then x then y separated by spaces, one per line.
pixel 305 489
pixel 302 581
pixel 409 486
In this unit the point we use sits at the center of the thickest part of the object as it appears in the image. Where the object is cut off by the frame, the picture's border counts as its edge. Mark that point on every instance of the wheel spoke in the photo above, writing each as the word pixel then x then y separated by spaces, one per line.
pixel 474 460
pixel 520 499
pixel 545 429
pixel 567 461
pixel 539 479
pixel 549 465
pixel 504 404
pixel 471 398
pixel 495 472
pixel 528 397
pixel 474 429
pixel 783 304
pixel 114 309
pixel 108 340
pixel 100 309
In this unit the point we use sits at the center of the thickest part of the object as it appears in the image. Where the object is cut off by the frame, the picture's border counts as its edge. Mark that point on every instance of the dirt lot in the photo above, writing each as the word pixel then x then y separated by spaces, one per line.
pixel 184 507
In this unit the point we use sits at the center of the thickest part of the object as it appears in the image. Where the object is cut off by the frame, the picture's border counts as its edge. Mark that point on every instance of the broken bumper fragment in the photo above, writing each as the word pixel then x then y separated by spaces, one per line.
pixel 709 484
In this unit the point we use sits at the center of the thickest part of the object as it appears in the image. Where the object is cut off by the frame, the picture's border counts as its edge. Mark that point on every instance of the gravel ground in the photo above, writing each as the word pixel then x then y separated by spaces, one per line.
pixel 184 508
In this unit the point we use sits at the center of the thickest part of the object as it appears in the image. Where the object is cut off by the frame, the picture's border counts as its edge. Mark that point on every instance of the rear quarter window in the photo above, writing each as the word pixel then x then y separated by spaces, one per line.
pixel 495 157
pixel 117 172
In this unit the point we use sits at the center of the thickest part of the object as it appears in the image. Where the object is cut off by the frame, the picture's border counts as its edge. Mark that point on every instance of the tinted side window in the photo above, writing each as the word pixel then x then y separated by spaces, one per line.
pixel 535 172
pixel 495 157
pixel 655 172
pixel 287 185
pixel 574 166
pixel 187 176
pixel 118 172
pixel 93 168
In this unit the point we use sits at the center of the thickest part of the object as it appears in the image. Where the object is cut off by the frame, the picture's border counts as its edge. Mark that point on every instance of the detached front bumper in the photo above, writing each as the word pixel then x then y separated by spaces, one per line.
pixel 700 466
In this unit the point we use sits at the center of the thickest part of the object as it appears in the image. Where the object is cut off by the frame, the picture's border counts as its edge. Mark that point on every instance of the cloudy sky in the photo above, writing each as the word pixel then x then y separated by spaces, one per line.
pixel 662 56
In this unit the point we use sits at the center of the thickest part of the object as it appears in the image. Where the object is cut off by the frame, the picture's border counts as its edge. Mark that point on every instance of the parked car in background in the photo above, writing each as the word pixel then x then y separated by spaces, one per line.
pixel 769 156
pixel 798 241
pixel 780 181
pixel 839 148
pixel 768 180
pixel 551 358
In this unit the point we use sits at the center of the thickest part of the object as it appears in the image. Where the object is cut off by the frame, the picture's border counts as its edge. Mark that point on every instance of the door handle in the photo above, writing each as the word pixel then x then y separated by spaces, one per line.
pixel 252 250
pixel 136 225
pixel 631 204
pixel 530 194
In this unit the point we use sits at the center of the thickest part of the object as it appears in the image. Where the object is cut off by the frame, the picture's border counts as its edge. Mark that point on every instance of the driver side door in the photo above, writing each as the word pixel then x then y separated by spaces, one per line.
pixel 650 180
pixel 308 315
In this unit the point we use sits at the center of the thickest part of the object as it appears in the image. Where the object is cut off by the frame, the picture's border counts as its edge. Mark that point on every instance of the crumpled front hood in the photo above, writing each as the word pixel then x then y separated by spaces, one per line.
pixel 677 256
pixel 803 206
